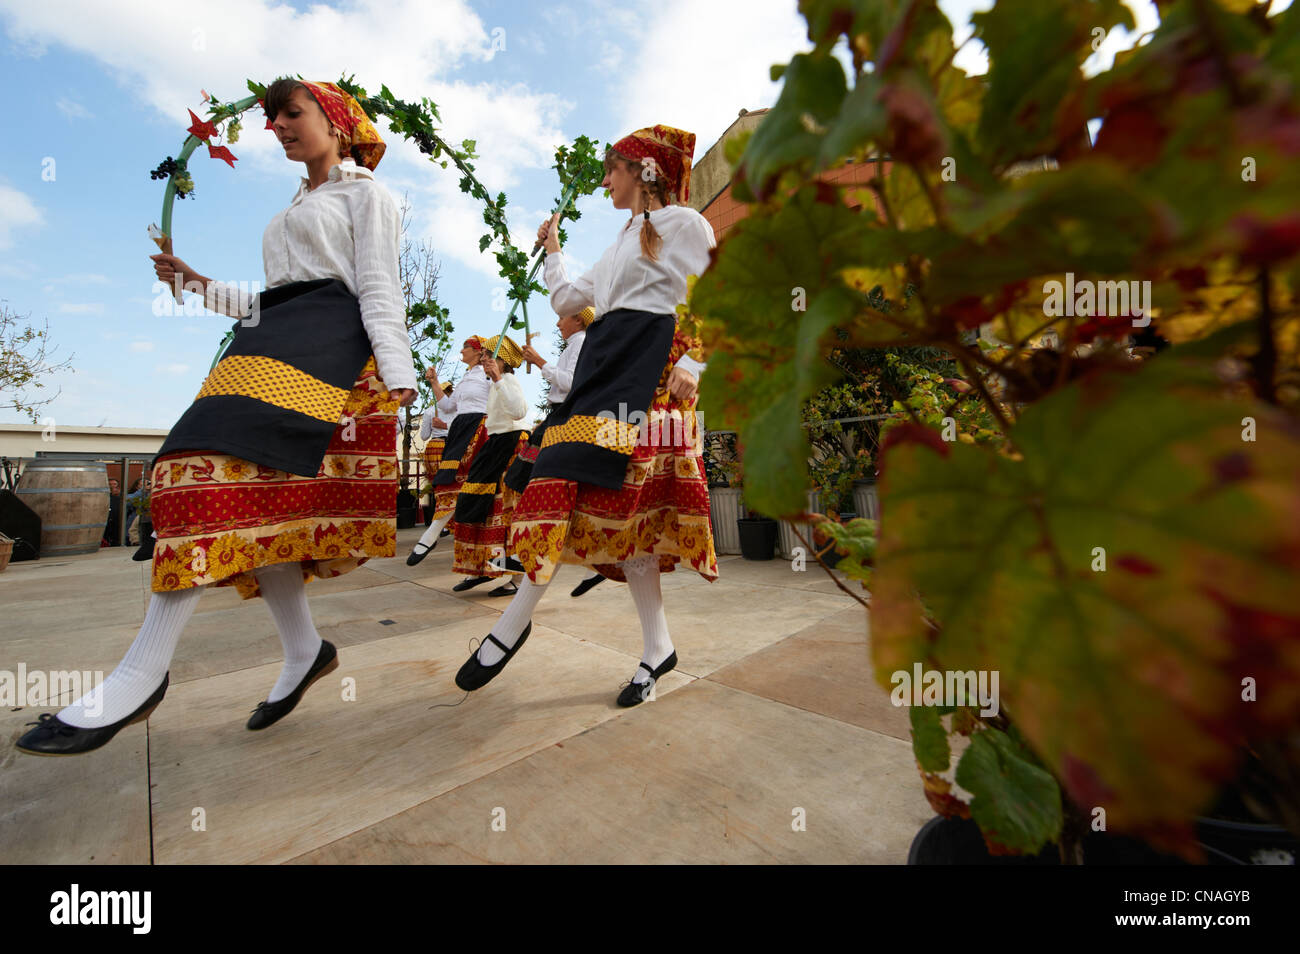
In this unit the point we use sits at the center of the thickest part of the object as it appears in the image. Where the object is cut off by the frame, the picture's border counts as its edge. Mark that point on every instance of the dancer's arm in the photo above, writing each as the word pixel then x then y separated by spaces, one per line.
pixel 222 297
pixel 567 297
pixel 376 230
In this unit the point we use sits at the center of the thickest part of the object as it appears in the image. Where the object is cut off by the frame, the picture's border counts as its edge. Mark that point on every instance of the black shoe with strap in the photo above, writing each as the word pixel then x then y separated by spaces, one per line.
pixel 635 693
pixel 505 589
pixel 469 583
pixel 474 675
pixel 418 554
pixel 586 585
pixel 269 713
pixel 52 736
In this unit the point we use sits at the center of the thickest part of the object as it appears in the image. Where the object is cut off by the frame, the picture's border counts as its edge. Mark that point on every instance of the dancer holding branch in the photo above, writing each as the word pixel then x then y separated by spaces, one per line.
pixel 627 497
pixel 284 467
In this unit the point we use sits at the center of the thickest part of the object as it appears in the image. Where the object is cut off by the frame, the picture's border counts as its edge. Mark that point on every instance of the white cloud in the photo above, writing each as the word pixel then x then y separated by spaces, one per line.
pixel 679 78
pixel 83 308
pixel 176 369
pixel 142 345
pixel 72 109
pixel 20 212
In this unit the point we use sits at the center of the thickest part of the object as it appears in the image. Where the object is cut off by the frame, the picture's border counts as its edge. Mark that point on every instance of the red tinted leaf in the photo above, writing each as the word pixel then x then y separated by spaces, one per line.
pixel 1265 243
pixel 200 128
pixel 221 152
pixel 1135 564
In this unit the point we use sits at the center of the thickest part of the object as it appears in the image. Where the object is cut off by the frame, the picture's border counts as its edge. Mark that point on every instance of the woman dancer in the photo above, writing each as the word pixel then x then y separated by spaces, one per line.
pixel 627 500
pixel 284 467
pixel 433 431
pixel 559 374
pixel 467 407
pixel 484 505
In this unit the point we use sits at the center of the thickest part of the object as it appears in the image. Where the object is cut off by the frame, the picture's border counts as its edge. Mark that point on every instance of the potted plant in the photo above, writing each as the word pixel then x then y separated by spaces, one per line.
pixel 722 470
pixel 757 535
pixel 1106 540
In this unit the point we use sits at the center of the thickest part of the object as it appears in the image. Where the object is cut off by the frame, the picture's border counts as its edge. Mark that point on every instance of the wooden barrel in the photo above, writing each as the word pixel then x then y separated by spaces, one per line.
pixel 71 498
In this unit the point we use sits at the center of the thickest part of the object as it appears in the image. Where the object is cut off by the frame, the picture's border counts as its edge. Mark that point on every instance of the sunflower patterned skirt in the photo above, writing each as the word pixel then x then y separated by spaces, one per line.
pixel 476 543
pixel 444 497
pixel 661 510
pixel 432 456
pixel 218 517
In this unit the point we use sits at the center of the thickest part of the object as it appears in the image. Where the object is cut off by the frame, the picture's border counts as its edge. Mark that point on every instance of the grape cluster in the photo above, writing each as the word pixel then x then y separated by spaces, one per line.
pixel 168 169
pixel 232 131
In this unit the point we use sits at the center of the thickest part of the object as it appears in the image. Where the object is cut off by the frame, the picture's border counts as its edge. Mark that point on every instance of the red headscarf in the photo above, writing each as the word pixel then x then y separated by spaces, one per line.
pixel 346 113
pixel 671 149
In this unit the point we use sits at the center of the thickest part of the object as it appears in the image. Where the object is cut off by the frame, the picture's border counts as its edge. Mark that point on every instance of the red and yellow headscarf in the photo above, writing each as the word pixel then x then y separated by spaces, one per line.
pixel 346 113
pixel 671 149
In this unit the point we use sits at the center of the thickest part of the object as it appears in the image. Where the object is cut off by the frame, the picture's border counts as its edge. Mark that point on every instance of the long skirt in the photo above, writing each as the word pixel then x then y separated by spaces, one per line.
pixel 432 457
pixel 219 517
pixel 445 493
pixel 486 506
pixel 661 509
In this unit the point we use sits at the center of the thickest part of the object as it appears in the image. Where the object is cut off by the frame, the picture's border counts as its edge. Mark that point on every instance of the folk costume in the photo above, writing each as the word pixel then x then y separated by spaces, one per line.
pixel 465 435
pixel 284 467
pixel 435 440
pixel 485 505
pixel 559 375
pixel 624 494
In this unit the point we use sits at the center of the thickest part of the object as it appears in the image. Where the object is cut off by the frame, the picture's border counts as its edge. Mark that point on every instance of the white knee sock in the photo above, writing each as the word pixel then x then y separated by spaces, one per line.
pixel 286 597
pixel 142 669
pixel 512 621
pixel 430 536
pixel 643 580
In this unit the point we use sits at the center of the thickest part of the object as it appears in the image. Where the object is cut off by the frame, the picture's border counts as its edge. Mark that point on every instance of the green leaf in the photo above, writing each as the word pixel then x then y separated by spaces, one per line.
pixel 792 130
pixel 929 739
pixel 1127 681
pixel 1017 803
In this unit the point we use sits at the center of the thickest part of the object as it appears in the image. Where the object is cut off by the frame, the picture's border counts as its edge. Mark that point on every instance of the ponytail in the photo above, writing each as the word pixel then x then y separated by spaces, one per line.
pixel 651 240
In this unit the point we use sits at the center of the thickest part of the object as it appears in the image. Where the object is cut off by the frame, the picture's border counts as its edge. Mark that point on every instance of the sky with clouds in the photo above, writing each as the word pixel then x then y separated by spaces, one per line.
pixel 97 94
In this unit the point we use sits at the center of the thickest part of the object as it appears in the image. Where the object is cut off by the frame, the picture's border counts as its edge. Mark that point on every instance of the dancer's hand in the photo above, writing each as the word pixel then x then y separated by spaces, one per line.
pixel 490 367
pixel 403 396
pixel 167 267
pixel 682 384
pixel 548 233
pixel 532 357
pixel 439 422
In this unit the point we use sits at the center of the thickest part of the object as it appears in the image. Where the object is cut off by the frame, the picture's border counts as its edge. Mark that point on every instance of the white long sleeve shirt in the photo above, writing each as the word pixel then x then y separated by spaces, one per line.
pixel 624 278
pixel 346 228
pixel 507 408
pixel 427 430
pixel 559 373
pixel 470 396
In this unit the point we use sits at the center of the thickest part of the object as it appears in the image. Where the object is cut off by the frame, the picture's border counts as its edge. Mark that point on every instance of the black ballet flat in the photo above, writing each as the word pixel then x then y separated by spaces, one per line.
pixel 145 552
pixel 269 713
pixel 55 737
pixel 635 693
pixel 416 556
pixel 474 675
pixel 469 583
pixel 586 585
pixel 505 589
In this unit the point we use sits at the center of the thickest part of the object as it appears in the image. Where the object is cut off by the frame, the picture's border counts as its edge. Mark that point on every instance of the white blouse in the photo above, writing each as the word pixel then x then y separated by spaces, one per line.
pixel 346 228
pixel 507 408
pixel 624 278
pixel 470 396
pixel 560 371
pixel 427 430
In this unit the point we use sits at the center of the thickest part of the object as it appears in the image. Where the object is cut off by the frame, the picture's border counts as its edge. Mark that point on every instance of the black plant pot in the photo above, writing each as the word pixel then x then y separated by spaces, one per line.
pixel 757 537
pixel 406 510
pixel 957 841
pixel 832 557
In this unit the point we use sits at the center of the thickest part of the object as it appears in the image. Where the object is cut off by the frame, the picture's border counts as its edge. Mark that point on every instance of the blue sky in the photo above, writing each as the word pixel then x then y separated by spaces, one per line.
pixel 97 95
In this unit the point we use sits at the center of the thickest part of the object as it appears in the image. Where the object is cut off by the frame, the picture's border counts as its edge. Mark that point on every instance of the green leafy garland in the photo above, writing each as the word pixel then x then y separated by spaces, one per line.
pixel 579 166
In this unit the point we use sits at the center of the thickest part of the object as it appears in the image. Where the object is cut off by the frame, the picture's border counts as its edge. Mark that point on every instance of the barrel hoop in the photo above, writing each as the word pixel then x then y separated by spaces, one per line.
pixel 62 490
